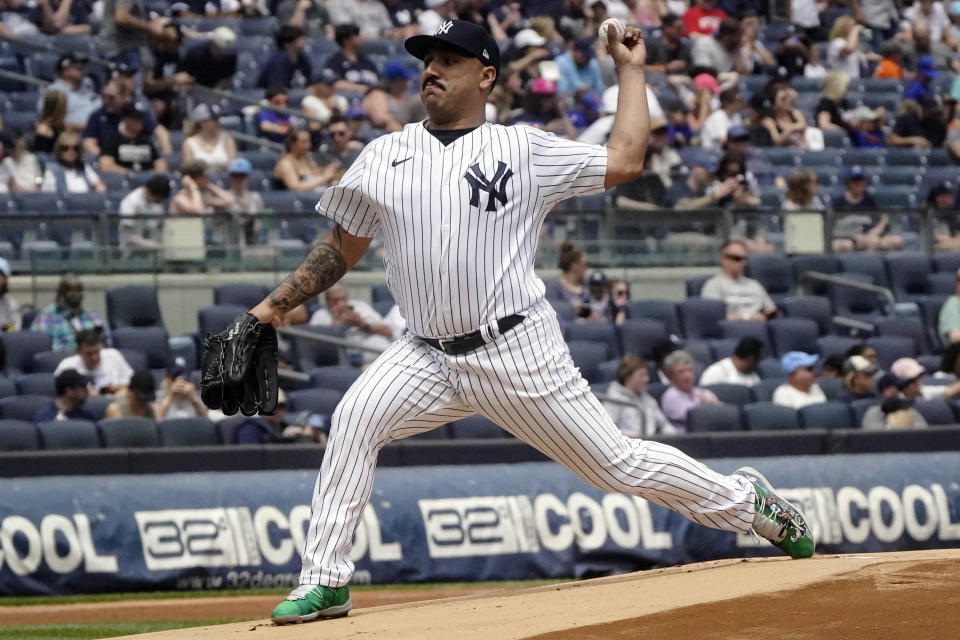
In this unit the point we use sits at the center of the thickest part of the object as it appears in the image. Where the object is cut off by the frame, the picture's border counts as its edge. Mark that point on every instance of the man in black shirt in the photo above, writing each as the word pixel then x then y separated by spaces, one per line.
pixel 288 66
pixel 924 131
pixel 355 71
pixel 670 53
pixel 213 64
pixel 72 393
pixel 130 149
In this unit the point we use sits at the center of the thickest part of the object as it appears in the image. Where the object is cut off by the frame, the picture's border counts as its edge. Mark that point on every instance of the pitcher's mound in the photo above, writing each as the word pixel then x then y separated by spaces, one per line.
pixel 886 595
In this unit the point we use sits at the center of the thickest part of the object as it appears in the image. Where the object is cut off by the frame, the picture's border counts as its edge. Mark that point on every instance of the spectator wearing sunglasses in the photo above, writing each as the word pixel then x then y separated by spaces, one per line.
pixel 746 299
pixel 801 388
pixel 68 173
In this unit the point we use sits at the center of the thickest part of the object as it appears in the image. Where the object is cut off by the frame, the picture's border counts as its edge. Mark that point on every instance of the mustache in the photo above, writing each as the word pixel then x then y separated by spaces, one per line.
pixel 432 81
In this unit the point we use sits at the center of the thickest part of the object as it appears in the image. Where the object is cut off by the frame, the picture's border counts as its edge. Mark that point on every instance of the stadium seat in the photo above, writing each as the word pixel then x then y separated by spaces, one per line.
pixel 18 435
pixel 129 432
pixel 935 411
pixel 563 309
pixel 722 348
pixel 735 394
pixel 831 387
pixel 767 416
pixel 606 373
pixel 133 306
pixel 187 432
pixel 97 406
pixel 827 415
pixel 20 347
pixel 941 283
pixel 587 356
pixel 864 157
pixel 47 361
pixel 477 427
pixel 870 264
pixel 701 317
pixel 828 345
pixel 8 387
pixel 22 407
pixel 896 196
pixel 815 308
pixel 714 417
pixel 905 156
pixel 821 263
pixel 151 341
pixel 890 348
pixel 763 391
pixel 136 359
pixel 242 294
pixel 930 311
pixel 859 407
pixel 907 273
pixel 853 303
pixel 774 272
pixel 694 284
pixel 38 384
pixel 637 336
pixel 212 320
pixel 309 355
pixel 700 351
pixel 337 377
pixel 793 334
pixel 69 434
pixel 746 329
pixel 663 310
pixel 907 326
pixel 946 261
pixel 322 401
pixel 770 367
pixel 380 292
pixel 601 332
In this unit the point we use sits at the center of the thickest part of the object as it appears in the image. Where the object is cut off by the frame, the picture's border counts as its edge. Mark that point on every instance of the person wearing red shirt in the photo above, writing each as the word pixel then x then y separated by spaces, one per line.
pixel 702 19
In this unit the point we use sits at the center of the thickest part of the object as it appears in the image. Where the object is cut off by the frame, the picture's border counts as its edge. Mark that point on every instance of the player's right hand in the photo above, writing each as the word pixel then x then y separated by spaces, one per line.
pixel 631 52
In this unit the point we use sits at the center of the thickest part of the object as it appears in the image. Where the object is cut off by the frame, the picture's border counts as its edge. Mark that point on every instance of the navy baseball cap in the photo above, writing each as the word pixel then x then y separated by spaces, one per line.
pixel 467 37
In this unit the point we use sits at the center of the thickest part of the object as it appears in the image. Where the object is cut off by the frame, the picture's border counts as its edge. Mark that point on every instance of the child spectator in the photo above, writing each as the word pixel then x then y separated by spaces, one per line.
pixel 892 60
pixel 273 125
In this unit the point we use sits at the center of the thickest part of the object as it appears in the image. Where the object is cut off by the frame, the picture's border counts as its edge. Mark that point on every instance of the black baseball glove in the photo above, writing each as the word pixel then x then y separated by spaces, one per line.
pixel 239 368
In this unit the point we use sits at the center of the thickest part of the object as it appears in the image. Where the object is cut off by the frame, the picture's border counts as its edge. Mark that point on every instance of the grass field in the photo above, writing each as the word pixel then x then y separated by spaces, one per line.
pixel 92 631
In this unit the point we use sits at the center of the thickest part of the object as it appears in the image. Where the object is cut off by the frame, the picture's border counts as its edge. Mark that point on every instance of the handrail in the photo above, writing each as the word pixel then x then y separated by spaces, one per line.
pixel 13 75
pixel 324 338
pixel 226 95
pixel 50 48
pixel 853 284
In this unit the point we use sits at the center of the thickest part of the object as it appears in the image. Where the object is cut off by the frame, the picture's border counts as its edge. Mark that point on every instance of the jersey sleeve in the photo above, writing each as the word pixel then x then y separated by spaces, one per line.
pixel 346 204
pixel 566 168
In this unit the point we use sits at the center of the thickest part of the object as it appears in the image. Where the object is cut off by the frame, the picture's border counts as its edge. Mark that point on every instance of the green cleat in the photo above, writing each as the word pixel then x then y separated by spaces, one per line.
pixel 309 602
pixel 777 520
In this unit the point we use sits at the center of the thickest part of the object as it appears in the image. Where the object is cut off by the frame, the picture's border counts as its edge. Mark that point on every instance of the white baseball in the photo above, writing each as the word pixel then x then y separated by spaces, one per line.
pixel 616 22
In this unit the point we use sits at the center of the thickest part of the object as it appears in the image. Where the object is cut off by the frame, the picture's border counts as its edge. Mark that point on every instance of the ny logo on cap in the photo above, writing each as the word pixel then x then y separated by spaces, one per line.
pixel 444 28
pixel 486 55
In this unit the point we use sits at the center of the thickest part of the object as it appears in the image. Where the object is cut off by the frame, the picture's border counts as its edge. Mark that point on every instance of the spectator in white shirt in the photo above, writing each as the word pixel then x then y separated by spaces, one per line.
pixel 363 324
pixel 746 299
pixel 719 123
pixel 148 200
pixel 740 368
pixel 106 368
pixel 801 388
pixel 843 52
pixel 636 412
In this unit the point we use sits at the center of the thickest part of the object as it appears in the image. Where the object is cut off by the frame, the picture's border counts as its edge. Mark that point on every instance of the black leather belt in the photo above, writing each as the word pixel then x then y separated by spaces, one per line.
pixel 473 340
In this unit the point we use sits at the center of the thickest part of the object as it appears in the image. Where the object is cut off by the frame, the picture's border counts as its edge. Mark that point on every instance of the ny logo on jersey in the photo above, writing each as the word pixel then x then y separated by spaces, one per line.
pixel 444 28
pixel 478 182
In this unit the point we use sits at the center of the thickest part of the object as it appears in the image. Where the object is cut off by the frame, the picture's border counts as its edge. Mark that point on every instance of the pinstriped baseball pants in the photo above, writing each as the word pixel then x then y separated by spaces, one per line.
pixel 526 382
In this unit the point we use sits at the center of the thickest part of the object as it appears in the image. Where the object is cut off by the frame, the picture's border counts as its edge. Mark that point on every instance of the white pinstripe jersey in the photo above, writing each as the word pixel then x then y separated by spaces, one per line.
pixel 461 222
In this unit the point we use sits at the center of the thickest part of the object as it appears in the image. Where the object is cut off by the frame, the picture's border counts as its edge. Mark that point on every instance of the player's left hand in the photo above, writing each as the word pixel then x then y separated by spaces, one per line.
pixel 632 52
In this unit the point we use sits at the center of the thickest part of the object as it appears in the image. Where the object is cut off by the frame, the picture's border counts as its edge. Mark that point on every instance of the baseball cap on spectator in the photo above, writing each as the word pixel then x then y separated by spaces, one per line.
pixel 658 124
pixel 223 37
pixel 938 190
pixel 176 367
pixel 123 69
pixel 4 267
pixel 203 112
pixel 707 81
pixel 597 279
pixel 590 101
pixel 886 381
pixel 325 76
pixel 433 4
pixel 70 379
pixel 356 112
pixel 528 38
pixel 69 60
pixel 907 369
pixel 855 173
pixel 863 112
pixel 931 102
pixel 394 70
pixel 130 110
pixel 793 360
pixel 143 386
pixel 890 48
pixel 669 19
pixel 859 364
pixel 738 133
pixel 240 166
pixel 585 46
pixel 927 66
pixel 542 86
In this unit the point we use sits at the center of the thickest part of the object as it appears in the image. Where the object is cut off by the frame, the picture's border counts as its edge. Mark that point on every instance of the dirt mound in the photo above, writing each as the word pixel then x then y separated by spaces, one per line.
pixel 894 595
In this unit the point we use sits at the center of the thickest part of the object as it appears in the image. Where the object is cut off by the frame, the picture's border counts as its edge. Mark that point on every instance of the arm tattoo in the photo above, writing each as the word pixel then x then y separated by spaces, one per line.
pixel 322 267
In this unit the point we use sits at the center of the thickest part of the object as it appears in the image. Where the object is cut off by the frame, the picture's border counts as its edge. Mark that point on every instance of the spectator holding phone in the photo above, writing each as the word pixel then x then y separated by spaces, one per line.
pixel 107 369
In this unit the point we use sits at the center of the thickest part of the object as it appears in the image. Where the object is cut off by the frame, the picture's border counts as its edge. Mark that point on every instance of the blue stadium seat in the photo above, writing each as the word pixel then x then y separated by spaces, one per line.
pixel 310 355
pixel 18 435
pixel 853 303
pixel 607 372
pixel 827 415
pixel 563 309
pixel 656 309
pixel 212 320
pixel 22 407
pixel 905 156
pixel 187 432
pixel 151 341
pixel 381 292
pixel 700 351
pixel 746 328
pixel 782 156
pixel 263 161
pixel 20 347
pixel 828 345
pixel 935 411
pixel 905 176
pixel 69 434
pixel 133 306
pixel 129 432
pixel 770 367
pixel 793 334
pixel 774 272
pixel 930 311
pixel 735 394
pixel 859 407
pixel 477 427
pixel 896 196
pixel 602 332
pixel 47 361
pixel 135 358
pixel 694 285
pixel 336 377
pixel 637 336
pixel 891 347
pixel 97 406
pixel 700 317
pixel 871 264
pixel 714 417
pixel 587 356
pixel 322 401
pixel 767 416
pixel 864 157
pixel 722 348
pixel 907 273
pixel 831 387
pixel 38 384
pixel 946 261
pixel 907 326
pixel 826 157
pixel 763 391
pixel 941 283
pixel 259 26
pixel 8 387
pixel 243 294
pixel 285 202
pixel 815 308
pixel 821 263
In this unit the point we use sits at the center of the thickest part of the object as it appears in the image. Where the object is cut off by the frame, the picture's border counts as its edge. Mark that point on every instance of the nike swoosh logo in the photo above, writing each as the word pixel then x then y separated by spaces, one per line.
pixel 399 162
